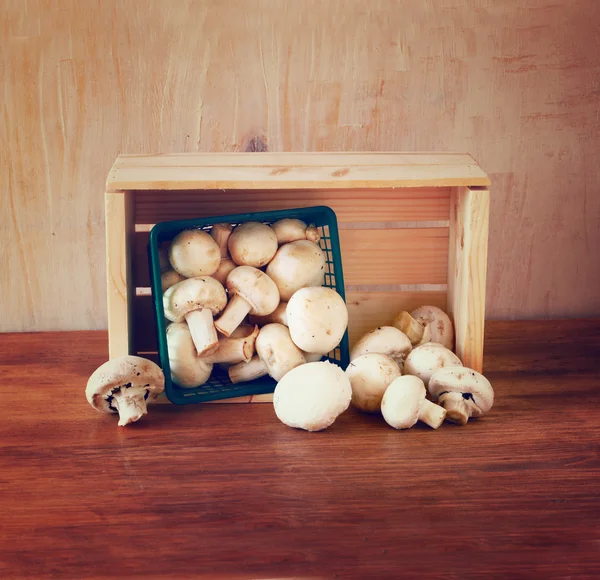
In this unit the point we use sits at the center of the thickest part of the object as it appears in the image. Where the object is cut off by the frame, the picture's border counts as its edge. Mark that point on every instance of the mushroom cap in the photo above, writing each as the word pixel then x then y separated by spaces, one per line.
pixel 370 375
pixel 317 319
pixel 125 371
pixel 426 359
pixel 193 294
pixel 255 287
pixel 460 379
pixel 297 265
pixel 442 329
pixel 225 268
pixel 402 400
pixel 312 396
pixel 277 351
pixel 252 244
pixel 194 253
pixel 169 278
pixel 290 229
pixel 187 368
pixel 383 340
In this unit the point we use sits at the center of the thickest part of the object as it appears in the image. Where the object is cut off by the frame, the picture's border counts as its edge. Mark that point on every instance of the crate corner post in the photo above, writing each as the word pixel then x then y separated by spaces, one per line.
pixel 467 269
pixel 120 290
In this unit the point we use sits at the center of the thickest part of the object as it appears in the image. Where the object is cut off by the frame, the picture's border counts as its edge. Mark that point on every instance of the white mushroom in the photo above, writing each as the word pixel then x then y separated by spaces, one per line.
pixel 187 369
pixel 220 234
pixel 224 269
pixel 233 350
pixel 278 315
pixel 169 278
pixel 370 375
pixel 312 396
pixel 383 340
pixel 125 385
pixel 442 329
pixel 194 253
pixel 276 356
pixel 251 292
pixel 297 265
pixel 289 230
pixel 417 333
pixel 463 392
pixel 426 359
pixel 404 404
pixel 317 318
pixel 252 244
pixel 245 331
pixel 196 300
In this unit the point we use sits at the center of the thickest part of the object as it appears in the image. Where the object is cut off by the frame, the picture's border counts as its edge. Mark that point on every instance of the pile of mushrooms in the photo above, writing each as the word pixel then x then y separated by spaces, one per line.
pixel 408 372
pixel 248 300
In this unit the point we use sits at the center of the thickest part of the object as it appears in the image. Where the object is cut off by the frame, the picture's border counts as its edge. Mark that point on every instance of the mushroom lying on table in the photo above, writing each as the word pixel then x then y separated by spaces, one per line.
pixel 251 292
pixel 194 253
pixel 289 230
pixel 297 265
pixel 463 392
pixel 404 404
pixel 196 300
pixel 370 375
pixel 426 359
pixel 312 396
pixel 252 244
pixel 125 385
pixel 187 369
pixel 317 319
pixel 383 340
pixel 276 355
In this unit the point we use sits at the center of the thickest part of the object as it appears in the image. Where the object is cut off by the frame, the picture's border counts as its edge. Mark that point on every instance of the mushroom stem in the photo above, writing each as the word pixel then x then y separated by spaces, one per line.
pixel 457 410
pixel 278 315
pixel 203 331
pixel 233 315
pixel 312 234
pixel 131 405
pixel 409 326
pixel 431 414
pixel 234 350
pixel 247 371
pixel 220 234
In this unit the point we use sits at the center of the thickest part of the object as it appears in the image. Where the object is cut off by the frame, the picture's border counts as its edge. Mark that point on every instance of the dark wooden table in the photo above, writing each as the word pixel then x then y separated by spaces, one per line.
pixel 226 491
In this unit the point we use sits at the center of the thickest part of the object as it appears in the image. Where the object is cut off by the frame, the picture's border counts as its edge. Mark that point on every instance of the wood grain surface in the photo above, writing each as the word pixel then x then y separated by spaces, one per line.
pixel 513 83
pixel 226 491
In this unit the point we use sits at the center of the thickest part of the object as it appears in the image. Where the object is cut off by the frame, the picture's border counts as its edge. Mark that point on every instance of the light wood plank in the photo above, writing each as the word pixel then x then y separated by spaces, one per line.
pixel 469 217
pixel 370 205
pixel 120 287
pixel 347 176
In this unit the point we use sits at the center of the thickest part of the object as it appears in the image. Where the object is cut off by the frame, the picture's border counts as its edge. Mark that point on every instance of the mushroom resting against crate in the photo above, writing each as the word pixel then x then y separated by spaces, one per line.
pixel 413 230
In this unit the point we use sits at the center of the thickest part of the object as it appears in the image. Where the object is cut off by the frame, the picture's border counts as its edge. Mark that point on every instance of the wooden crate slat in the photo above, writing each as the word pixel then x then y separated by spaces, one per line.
pixel 375 205
pixel 363 177
pixel 399 256
pixel 366 310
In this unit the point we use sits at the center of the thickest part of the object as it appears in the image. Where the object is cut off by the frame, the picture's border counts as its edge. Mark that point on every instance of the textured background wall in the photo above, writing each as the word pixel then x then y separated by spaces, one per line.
pixel 514 82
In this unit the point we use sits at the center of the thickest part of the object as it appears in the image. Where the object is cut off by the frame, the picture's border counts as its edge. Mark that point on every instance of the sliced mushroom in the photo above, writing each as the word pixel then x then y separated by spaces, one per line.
pixel 196 300
pixel 426 359
pixel 187 369
pixel 370 375
pixel 233 350
pixel 312 396
pixel 289 230
pixel 194 253
pixel 317 319
pixel 169 278
pixel 276 353
pixel 404 404
pixel 278 315
pixel 125 385
pixel 251 292
pixel 252 244
pixel 463 392
pixel 442 329
pixel 297 265
pixel 383 340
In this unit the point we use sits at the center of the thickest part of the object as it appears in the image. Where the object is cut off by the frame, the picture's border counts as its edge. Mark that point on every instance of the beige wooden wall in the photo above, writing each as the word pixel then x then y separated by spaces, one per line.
pixel 514 82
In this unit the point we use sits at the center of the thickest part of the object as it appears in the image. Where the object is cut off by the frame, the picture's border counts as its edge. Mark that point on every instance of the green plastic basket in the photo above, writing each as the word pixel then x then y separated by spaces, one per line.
pixel 219 386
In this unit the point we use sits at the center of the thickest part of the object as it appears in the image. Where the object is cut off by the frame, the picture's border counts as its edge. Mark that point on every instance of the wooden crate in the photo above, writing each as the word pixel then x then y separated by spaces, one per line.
pixel 413 228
